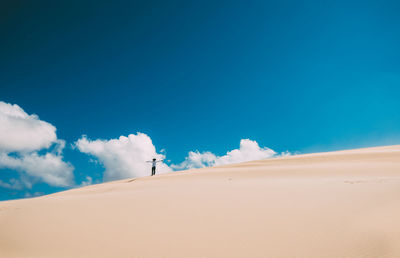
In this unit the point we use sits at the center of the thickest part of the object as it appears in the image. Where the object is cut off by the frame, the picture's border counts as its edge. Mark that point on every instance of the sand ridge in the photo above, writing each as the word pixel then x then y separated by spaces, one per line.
pixel 336 204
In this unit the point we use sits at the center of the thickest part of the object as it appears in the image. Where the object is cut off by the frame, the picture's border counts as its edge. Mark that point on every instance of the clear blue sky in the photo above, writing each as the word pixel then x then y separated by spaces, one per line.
pixel 293 75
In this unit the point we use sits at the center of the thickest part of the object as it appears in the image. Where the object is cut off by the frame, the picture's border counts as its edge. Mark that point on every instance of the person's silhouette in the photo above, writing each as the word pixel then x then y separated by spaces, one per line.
pixel 153 166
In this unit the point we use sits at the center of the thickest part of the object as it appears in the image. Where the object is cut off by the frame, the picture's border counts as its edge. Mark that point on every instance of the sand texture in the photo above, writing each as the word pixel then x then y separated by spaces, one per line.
pixel 337 204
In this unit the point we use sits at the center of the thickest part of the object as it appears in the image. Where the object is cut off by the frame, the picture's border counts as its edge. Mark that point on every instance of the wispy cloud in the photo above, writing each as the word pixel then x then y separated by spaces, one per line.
pixel 13 184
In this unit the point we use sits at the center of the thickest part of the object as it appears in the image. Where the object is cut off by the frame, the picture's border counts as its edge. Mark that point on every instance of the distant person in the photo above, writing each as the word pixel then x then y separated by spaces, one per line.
pixel 153 166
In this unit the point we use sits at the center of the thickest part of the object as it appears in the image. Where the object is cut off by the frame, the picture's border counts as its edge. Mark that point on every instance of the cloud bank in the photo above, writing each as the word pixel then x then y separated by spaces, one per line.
pixel 22 136
pixel 124 157
pixel 248 150
pixel 31 147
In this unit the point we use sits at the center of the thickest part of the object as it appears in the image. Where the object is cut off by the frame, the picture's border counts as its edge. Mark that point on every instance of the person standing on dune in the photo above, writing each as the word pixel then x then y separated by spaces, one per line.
pixel 153 166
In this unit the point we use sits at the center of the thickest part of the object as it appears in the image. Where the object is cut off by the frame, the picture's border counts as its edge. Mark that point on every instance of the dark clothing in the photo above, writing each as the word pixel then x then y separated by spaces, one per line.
pixel 153 171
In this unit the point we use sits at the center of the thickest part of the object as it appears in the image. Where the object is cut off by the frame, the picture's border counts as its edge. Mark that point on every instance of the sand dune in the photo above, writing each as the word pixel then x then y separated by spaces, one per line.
pixel 338 204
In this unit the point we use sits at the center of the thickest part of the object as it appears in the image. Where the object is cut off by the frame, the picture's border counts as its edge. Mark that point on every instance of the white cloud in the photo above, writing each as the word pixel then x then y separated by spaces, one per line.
pixel 35 194
pixel 20 132
pixel 195 159
pixel 124 157
pixel 248 150
pixel 13 184
pixel 49 168
pixel 88 181
pixel 22 136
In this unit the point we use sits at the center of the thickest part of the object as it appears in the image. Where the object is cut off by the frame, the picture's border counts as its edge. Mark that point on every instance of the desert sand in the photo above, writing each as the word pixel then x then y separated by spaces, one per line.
pixel 336 204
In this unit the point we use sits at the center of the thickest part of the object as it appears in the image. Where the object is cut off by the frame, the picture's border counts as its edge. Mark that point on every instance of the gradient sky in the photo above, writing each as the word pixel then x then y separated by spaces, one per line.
pixel 302 76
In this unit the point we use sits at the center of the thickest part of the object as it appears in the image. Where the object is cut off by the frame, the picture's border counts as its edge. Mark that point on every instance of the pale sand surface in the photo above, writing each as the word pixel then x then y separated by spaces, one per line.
pixel 338 204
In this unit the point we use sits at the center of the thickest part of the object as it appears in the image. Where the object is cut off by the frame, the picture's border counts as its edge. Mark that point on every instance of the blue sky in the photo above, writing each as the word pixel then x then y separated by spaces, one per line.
pixel 298 76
